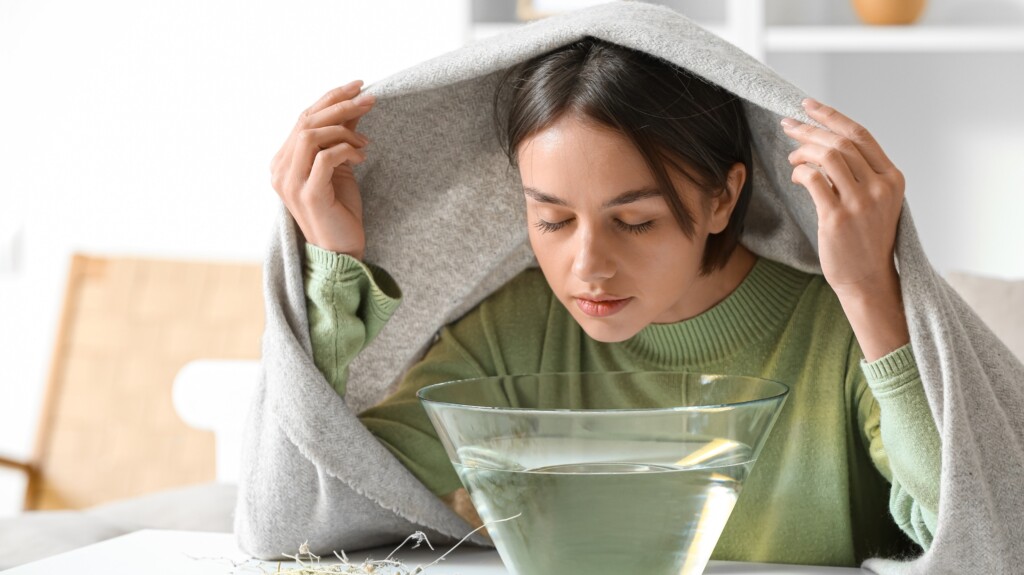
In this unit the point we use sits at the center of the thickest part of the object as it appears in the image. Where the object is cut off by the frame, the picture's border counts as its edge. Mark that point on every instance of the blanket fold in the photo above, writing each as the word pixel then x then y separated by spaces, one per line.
pixel 311 471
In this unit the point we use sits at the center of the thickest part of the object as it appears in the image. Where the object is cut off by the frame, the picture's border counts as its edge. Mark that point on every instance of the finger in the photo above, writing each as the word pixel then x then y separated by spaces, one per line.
pixel 861 137
pixel 342 112
pixel 334 96
pixel 353 123
pixel 806 133
pixel 825 198
pixel 834 163
pixel 309 143
pixel 326 161
pixel 372 100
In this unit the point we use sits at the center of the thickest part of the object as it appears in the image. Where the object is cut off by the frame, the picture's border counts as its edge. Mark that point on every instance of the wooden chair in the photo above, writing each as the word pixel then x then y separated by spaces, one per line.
pixel 108 429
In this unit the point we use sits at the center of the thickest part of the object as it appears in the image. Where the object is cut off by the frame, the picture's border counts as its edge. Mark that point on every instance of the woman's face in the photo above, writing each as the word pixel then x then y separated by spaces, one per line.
pixel 606 240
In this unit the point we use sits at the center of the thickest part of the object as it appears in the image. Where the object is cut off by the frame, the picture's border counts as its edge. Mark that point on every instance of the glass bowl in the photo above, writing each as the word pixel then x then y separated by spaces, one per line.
pixel 604 473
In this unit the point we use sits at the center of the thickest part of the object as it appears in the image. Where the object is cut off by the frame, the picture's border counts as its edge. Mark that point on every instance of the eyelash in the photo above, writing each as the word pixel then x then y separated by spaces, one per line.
pixel 633 229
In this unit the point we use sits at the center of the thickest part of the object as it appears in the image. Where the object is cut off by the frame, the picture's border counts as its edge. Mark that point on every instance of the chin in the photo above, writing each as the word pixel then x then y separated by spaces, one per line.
pixel 605 333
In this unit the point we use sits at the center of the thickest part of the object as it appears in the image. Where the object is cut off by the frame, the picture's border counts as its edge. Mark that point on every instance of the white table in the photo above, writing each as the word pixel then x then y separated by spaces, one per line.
pixel 158 552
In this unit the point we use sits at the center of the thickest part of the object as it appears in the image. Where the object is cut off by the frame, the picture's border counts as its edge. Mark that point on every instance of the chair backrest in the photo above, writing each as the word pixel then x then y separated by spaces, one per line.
pixel 108 429
pixel 214 395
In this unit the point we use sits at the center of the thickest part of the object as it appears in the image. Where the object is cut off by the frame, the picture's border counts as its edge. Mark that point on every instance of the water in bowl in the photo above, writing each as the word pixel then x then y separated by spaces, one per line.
pixel 650 509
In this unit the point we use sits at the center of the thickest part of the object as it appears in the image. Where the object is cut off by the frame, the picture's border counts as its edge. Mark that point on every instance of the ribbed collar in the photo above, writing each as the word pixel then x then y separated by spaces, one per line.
pixel 756 308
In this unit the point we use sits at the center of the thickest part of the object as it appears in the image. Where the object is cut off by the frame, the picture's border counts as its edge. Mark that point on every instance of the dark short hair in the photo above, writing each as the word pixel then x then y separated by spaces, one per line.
pixel 671 115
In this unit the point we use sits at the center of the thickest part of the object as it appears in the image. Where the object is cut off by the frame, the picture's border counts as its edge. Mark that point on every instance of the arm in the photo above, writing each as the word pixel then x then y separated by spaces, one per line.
pixel 336 292
pixel 858 194
pixel 899 433
pixel 877 317
pixel 346 311
pixel 342 318
pixel 287 495
pixel 347 302
pixel 894 415
pixel 306 458
pixel 470 347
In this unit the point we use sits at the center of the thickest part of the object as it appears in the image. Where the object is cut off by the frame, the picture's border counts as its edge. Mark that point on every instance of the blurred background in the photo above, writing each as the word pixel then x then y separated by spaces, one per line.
pixel 146 129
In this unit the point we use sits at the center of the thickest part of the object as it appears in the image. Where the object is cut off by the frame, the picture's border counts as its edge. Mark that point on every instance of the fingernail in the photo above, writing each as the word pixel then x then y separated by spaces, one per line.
pixel 364 99
pixel 789 122
pixel 811 104
pixel 353 84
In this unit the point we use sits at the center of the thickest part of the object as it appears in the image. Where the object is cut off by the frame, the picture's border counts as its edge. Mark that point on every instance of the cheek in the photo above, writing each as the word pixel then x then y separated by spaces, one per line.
pixel 660 256
pixel 661 266
pixel 655 252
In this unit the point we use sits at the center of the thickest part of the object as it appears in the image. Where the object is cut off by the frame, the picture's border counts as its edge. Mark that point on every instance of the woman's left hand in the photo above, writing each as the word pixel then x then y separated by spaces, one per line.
pixel 857 217
pixel 858 213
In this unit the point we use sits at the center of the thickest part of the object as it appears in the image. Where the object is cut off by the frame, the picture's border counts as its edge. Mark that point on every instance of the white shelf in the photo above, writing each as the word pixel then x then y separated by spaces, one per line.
pixel 480 30
pixel 851 39
pixel 917 38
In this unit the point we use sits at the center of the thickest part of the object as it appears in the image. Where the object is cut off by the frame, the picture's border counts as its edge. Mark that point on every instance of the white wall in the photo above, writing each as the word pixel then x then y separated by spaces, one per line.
pixel 147 128
pixel 952 123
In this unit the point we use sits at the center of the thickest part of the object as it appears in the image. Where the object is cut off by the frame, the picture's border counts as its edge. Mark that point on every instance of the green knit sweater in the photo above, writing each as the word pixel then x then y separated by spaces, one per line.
pixel 854 453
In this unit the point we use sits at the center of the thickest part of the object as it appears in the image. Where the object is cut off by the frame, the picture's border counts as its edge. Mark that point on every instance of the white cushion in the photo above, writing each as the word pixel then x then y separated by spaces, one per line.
pixel 36 535
pixel 214 395
pixel 998 302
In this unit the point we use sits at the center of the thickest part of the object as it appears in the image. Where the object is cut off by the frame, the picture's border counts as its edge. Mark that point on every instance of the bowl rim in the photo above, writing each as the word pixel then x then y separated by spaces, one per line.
pixel 782 394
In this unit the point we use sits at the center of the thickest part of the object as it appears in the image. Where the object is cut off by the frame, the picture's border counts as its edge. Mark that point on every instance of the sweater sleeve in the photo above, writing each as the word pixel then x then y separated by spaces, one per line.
pixel 472 346
pixel 347 302
pixel 900 434
pixel 287 493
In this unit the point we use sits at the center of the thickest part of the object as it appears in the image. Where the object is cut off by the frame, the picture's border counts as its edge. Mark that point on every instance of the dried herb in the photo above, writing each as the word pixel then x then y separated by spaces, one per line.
pixel 310 564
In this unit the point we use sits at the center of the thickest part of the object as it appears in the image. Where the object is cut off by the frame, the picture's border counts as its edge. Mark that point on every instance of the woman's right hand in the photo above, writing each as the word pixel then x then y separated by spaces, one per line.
pixel 312 172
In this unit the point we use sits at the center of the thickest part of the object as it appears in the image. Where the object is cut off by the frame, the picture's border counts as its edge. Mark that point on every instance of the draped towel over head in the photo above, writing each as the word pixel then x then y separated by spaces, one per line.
pixel 444 216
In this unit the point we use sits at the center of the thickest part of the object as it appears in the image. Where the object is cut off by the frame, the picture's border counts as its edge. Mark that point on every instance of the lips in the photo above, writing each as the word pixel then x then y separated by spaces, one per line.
pixel 599 297
pixel 601 306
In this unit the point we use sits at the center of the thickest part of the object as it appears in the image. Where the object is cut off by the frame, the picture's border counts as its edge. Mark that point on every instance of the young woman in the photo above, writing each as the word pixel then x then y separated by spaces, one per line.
pixel 635 182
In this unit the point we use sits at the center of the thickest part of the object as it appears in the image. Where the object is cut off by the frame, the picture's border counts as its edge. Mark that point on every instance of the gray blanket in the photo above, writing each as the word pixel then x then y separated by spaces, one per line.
pixel 312 472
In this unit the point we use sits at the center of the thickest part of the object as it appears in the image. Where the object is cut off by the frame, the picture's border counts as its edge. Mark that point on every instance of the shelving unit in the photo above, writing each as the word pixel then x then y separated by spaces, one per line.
pixel 900 39
pixel 745 24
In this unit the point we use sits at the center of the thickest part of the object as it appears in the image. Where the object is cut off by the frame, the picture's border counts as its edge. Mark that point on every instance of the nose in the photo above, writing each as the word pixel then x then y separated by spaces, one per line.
pixel 593 262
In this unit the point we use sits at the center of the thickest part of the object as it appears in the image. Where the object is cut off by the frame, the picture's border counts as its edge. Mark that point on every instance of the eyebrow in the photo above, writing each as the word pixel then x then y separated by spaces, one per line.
pixel 620 200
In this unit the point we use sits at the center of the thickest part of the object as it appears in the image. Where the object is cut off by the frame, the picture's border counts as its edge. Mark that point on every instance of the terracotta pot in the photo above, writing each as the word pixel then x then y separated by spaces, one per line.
pixel 888 11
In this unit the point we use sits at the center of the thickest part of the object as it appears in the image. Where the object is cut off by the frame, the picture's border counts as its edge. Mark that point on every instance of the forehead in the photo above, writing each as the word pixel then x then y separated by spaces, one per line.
pixel 574 154
pixel 570 137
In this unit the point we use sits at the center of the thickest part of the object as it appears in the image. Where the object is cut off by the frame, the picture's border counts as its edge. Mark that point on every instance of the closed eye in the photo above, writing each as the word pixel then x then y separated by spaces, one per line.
pixel 634 228
pixel 551 227
pixel 546 227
